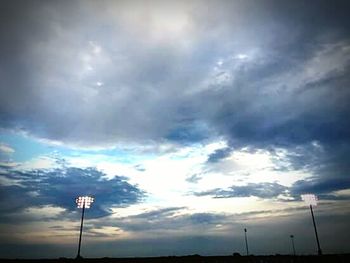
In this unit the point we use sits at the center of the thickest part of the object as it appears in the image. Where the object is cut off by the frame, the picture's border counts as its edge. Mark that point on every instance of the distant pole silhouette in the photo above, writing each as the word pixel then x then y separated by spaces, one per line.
pixel 81 230
pixel 292 238
pixel 246 241
pixel 318 242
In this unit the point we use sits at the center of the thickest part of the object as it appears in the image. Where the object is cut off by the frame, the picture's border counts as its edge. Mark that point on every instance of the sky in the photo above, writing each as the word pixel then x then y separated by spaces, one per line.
pixel 187 121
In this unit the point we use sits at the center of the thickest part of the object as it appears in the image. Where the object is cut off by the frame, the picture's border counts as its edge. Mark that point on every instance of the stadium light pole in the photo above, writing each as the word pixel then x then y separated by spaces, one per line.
pixel 83 202
pixel 311 200
pixel 246 241
pixel 292 239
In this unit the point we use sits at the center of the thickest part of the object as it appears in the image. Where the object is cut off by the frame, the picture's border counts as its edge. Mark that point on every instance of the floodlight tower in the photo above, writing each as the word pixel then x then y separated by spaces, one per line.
pixel 83 202
pixel 246 241
pixel 311 200
pixel 292 239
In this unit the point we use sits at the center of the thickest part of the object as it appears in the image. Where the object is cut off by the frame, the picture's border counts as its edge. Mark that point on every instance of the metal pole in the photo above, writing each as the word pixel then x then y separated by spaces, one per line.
pixel 246 241
pixel 318 242
pixel 292 238
pixel 81 230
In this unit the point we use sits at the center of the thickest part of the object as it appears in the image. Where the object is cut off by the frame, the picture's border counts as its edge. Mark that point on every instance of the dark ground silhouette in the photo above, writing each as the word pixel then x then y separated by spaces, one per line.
pixel 342 258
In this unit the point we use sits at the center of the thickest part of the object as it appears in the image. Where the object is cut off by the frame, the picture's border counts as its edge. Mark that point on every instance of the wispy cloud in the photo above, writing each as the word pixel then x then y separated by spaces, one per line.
pixel 262 190
pixel 5 149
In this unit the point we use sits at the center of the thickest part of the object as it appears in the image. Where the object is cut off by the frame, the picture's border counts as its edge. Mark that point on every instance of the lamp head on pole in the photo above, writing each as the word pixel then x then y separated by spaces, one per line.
pixel 309 199
pixel 84 201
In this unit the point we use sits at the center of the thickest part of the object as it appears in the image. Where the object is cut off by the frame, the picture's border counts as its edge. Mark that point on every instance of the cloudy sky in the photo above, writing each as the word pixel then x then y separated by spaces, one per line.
pixel 188 121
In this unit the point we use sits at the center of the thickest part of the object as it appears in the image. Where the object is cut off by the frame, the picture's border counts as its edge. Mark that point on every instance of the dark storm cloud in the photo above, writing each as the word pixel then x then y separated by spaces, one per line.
pixel 280 113
pixel 206 218
pixel 322 187
pixel 262 190
pixel 325 160
pixel 53 54
pixel 194 178
pixel 326 163
pixel 156 214
pixel 187 134
pixel 219 154
pixel 60 187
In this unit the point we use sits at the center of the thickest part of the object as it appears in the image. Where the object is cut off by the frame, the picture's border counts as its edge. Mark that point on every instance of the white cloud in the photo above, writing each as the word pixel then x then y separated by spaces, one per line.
pixel 40 162
pixel 242 56
pixel 42 212
pixel 6 149
pixel 164 176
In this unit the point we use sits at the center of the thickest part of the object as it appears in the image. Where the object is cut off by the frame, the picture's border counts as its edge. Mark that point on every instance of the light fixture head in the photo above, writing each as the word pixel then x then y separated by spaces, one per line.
pixel 309 199
pixel 84 201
